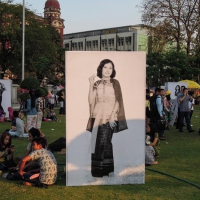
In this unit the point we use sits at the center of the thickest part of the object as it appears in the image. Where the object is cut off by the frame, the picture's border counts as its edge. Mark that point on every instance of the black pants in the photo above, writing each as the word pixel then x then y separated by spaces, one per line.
pixel 102 159
pixel 185 115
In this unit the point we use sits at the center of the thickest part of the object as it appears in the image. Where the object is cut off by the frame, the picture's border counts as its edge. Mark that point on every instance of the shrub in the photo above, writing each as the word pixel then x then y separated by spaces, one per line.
pixel 30 83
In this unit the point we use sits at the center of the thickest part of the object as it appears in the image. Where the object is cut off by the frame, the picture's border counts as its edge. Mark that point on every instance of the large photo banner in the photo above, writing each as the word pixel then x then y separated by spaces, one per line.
pixel 174 88
pixel 5 95
pixel 105 118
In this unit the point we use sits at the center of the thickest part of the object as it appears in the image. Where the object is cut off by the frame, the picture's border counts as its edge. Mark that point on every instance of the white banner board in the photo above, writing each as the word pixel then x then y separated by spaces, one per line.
pixel 128 146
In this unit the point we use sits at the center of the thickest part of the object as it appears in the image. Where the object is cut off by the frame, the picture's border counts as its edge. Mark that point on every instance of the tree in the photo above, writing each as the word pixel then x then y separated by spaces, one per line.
pixel 168 66
pixel 172 21
pixel 42 44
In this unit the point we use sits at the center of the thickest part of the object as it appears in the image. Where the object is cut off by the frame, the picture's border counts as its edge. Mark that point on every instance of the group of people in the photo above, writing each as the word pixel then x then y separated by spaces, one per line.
pixel 38 166
pixel 27 123
pixel 159 114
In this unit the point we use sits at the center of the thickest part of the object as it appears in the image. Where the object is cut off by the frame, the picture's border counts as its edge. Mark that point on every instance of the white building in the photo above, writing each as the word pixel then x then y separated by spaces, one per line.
pixel 125 38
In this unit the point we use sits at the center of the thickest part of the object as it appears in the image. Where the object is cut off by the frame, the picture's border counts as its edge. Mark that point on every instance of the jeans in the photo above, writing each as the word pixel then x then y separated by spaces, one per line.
pixel 185 115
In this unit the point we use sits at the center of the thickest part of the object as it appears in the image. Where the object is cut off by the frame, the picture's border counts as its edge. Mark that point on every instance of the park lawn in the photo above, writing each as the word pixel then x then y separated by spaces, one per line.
pixel 179 157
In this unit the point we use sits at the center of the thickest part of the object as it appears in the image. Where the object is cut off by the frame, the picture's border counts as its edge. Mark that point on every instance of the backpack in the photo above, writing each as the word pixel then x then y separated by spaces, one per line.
pixel 153 106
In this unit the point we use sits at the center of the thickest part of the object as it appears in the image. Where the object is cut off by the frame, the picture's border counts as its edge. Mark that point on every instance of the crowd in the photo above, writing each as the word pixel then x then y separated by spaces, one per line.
pixel 159 113
pixel 38 166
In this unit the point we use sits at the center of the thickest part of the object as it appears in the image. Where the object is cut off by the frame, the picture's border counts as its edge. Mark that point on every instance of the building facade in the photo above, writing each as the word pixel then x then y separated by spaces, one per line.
pixel 52 15
pixel 126 38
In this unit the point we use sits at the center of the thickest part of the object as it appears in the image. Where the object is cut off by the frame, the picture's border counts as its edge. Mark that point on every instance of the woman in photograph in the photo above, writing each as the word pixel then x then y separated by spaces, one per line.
pixel 177 90
pixel 107 116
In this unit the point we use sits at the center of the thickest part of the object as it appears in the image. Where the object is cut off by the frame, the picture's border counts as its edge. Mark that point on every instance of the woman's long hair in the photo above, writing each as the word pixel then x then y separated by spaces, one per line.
pixel 152 132
pixel 2 138
pixel 32 95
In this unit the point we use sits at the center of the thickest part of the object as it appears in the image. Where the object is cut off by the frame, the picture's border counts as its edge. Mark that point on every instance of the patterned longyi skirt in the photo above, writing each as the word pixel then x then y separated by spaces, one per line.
pixel 102 159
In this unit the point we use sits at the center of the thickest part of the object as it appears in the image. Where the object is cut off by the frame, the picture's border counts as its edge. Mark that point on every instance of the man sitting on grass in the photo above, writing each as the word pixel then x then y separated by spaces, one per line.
pixel 17 126
pixel 47 173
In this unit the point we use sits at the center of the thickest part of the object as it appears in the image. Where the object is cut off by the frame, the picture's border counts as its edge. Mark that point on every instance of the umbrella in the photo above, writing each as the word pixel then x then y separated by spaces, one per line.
pixel 191 84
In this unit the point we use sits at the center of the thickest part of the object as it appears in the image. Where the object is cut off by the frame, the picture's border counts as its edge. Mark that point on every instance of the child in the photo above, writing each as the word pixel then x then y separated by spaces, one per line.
pixel 6 151
pixel 47 173
pixel 149 153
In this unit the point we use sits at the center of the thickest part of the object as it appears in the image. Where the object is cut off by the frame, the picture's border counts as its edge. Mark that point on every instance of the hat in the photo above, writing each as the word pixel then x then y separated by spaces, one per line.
pixel 148 139
pixel 168 92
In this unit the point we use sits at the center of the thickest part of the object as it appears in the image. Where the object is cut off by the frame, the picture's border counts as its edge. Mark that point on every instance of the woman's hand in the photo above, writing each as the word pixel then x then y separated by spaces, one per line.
pixel 6 150
pixel 91 79
pixel 112 122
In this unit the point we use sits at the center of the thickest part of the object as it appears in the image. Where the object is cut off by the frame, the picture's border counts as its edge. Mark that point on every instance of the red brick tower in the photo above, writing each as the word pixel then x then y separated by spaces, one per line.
pixel 52 14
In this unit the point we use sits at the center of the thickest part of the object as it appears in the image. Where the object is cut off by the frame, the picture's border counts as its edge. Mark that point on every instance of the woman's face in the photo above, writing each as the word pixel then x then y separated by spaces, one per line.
pixel 107 70
pixel 6 140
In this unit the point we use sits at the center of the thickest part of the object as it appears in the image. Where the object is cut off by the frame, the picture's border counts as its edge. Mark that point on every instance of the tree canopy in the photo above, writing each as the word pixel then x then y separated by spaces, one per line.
pixel 42 44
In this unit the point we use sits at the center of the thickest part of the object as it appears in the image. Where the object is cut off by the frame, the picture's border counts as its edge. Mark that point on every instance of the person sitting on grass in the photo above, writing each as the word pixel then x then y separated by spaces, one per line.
pixel 149 153
pixel 17 126
pixel 154 138
pixel 6 151
pixel 46 174
pixel 32 133
pixel 52 115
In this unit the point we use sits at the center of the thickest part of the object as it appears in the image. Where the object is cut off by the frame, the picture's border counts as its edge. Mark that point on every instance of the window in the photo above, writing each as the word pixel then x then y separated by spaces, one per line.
pixel 67 46
pixel 128 40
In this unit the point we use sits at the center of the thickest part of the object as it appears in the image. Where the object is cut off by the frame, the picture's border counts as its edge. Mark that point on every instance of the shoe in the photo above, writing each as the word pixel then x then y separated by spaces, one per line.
pixel 162 138
pixel 190 131
pixel 181 131
pixel 191 125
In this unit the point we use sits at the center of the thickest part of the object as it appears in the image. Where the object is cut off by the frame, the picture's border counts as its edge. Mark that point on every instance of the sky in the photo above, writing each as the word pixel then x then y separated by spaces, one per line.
pixel 85 15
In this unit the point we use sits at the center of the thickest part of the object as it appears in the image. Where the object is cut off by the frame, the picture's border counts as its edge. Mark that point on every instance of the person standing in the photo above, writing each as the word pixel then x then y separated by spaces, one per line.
pixel 178 97
pixel 51 100
pixel 191 104
pixel 184 110
pixel 31 110
pixel 161 115
pixel 153 107
pixel 167 108
pixel 40 109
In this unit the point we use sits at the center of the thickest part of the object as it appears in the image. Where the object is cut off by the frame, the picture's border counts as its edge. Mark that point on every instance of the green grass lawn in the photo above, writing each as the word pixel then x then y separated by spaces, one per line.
pixel 179 157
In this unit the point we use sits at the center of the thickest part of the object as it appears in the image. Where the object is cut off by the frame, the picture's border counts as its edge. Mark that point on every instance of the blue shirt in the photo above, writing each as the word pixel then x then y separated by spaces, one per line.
pixel 29 110
pixel 159 105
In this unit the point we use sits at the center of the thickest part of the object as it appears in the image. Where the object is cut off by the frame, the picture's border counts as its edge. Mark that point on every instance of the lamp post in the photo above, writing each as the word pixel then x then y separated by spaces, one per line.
pixel 23 39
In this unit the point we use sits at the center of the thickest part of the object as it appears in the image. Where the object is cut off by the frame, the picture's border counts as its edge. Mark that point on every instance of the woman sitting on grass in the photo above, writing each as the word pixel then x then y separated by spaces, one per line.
pixel 6 151
pixel 149 153
pixel 154 138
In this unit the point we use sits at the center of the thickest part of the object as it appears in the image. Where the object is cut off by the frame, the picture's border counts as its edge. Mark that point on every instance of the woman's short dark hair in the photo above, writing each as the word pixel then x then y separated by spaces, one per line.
pixel 101 65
